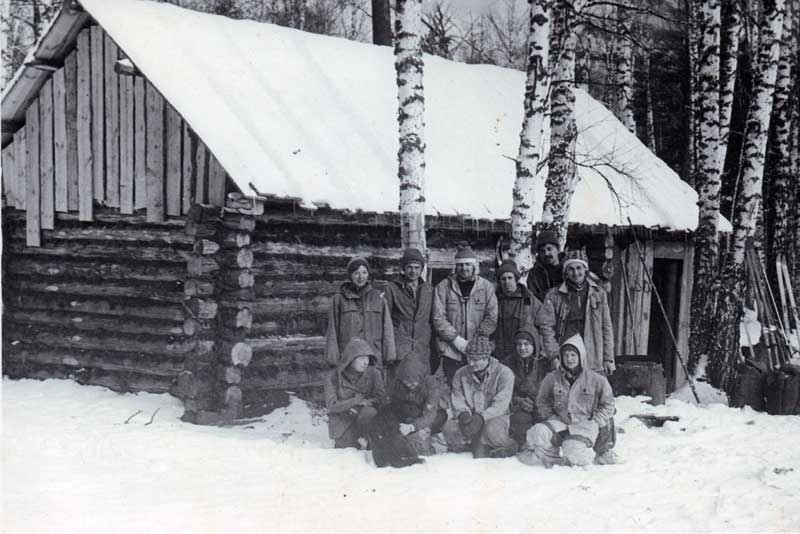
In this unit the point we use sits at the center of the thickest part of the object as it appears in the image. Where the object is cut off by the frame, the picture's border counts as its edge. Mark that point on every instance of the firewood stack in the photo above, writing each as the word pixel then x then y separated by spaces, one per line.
pixel 220 298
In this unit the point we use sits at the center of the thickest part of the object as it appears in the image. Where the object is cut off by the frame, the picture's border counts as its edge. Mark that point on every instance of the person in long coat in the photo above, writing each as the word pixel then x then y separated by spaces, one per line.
pixel 359 310
pixel 516 306
pixel 578 306
pixel 546 273
pixel 410 301
pixel 464 306
pixel 576 403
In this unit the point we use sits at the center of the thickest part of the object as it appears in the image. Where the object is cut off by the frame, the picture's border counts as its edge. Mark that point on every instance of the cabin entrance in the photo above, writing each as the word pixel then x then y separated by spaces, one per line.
pixel 667 275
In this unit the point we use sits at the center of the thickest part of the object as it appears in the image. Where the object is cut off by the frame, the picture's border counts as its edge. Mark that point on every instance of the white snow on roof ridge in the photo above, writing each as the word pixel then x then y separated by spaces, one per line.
pixel 314 117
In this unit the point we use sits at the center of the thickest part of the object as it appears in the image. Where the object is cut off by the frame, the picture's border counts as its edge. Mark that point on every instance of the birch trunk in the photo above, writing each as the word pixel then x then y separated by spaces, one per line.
pixel 561 177
pixel 411 123
pixel 707 177
pixel 530 138
pixel 649 120
pixel 729 56
pixel 693 46
pixel 624 73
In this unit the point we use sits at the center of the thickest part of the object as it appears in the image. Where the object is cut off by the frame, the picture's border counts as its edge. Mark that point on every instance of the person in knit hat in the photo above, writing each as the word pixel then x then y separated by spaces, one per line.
pixel 578 306
pixel 410 301
pixel 530 367
pixel 546 272
pixel 480 398
pixel 354 391
pixel 464 306
pixel 516 306
pixel 359 310
pixel 575 403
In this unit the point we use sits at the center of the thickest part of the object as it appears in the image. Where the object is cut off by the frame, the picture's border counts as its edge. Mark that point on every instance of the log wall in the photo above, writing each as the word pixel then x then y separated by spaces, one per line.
pixel 98 302
pixel 101 136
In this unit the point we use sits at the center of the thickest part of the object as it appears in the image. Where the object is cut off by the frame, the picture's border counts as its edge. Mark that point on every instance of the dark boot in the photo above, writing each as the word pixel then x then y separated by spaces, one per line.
pixel 479 450
pixel 504 452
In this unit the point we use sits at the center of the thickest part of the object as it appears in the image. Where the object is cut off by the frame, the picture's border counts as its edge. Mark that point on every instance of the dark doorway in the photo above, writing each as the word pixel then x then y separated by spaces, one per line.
pixel 667 279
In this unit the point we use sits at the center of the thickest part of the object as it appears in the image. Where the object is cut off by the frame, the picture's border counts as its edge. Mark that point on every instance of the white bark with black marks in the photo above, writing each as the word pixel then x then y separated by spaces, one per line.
pixel 729 56
pixel 411 122
pixel 624 71
pixel 530 138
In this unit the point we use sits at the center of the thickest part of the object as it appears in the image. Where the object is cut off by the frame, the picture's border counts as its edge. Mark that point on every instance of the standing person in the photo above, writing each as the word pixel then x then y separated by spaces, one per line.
pixel 354 391
pixel 359 310
pixel 410 301
pixel 464 306
pixel 546 272
pixel 516 306
pixel 530 367
pixel 578 406
pixel 480 399
pixel 578 306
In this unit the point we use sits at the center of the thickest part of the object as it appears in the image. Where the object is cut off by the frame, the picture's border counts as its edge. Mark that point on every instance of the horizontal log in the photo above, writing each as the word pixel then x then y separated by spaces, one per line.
pixel 236 279
pixel 287 379
pixel 90 322
pixel 237 259
pixel 270 306
pixel 95 270
pixel 197 287
pixel 201 265
pixel 108 361
pixel 233 239
pixel 239 222
pixel 95 250
pixel 236 318
pixel 231 375
pixel 202 229
pixel 192 327
pixel 205 247
pixel 202 309
pixel 111 216
pixel 155 292
pixel 166 347
pixel 228 297
pixel 239 353
pixel 295 289
pixel 98 306
pixel 154 237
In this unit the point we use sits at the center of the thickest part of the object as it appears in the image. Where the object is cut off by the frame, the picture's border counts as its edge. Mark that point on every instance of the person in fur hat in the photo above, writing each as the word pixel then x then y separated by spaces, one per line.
pixel 464 306
pixel 480 398
pixel 575 403
pixel 359 310
pixel 546 272
pixel 516 306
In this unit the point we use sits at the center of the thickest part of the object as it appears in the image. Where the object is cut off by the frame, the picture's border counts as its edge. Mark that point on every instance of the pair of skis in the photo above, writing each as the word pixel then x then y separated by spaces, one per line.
pixel 788 305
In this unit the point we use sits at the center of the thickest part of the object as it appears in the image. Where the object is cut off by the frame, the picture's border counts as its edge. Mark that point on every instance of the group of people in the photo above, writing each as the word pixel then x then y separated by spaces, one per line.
pixel 524 365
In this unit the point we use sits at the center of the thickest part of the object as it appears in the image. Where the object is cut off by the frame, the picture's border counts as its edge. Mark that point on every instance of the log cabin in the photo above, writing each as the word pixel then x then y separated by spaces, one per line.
pixel 182 191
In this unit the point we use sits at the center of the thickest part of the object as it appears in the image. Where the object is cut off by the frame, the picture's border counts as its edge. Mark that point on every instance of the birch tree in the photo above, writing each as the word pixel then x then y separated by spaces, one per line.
pixel 561 177
pixel 411 122
pixel 624 71
pixel 530 138
pixel 729 56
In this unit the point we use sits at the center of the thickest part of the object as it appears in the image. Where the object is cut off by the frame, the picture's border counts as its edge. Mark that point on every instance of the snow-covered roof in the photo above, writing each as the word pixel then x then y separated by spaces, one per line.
pixel 314 117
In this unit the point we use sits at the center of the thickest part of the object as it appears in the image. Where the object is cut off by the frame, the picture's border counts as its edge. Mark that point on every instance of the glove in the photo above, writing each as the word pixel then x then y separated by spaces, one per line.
pixel 527 404
pixel 609 368
pixel 460 344
pixel 471 426
pixel 406 428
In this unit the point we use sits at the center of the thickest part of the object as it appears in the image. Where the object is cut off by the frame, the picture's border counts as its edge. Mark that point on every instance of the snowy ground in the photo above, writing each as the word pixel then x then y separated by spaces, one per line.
pixel 72 464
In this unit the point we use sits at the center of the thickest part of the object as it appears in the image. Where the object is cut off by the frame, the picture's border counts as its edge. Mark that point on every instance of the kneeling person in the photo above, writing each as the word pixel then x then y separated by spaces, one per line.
pixel 529 366
pixel 353 393
pixel 416 399
pixel 576 404
pixel 480 398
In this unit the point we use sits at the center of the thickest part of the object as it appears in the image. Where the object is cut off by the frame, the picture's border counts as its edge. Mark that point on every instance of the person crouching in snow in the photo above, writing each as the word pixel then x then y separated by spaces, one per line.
pixel 529 366
pixel 353 393
pixel 415 401
pixel 480 399
pixel 576 403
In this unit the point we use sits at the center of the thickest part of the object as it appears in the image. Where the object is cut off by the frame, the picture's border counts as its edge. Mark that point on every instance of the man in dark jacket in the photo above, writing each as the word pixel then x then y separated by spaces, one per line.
pixel 416 402
pixel 530 367
pixel 410 300
pixel 576 403
pixel 480 399
pixel 546 272
pixel 353 393
pixel 516 306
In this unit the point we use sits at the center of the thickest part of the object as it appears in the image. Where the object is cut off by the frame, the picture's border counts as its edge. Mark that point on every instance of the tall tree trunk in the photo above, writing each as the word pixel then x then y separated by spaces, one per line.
pixel 728 311
pixel 561 177
pixel 729 57
pixel 382 23
pixel 530 138
pixel 648 94
pixel 411 121
pixel 692 46
pixel 781 191
pixel 707 176
pixel 624 71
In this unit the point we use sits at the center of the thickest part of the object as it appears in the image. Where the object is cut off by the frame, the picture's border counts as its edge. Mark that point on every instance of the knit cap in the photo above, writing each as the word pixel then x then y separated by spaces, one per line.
pixel 411 255
pixel 574 256
pixel 479 346
pixel 355 263
pixel 508 266
pixel 465 254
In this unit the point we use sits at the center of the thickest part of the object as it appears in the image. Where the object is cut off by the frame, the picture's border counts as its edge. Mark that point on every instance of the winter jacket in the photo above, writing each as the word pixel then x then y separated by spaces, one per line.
pixel 490 398
pixel 598 332
pixel 581 407
pixel 514 311
pixel 528 374
pixel 418 407
pixel 454 315
pixel 343 394
pixel 542 278
pixel 360 313
pixel 411 319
